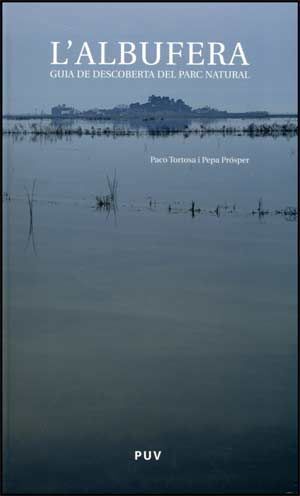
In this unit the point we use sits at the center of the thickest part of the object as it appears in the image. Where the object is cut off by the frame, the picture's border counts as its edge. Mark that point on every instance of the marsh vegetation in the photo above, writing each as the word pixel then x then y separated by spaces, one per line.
pixel 252 129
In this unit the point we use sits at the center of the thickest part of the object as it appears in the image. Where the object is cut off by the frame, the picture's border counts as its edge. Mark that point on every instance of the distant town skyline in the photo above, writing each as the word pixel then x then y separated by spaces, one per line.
pixel 268 32
pixel 155 105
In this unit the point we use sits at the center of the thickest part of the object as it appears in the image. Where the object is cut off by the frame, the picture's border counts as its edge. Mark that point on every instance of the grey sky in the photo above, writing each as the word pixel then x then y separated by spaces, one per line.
pixel 268 33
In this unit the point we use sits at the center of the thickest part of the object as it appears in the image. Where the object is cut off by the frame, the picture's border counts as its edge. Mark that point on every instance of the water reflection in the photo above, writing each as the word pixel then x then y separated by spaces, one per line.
pixel 162 127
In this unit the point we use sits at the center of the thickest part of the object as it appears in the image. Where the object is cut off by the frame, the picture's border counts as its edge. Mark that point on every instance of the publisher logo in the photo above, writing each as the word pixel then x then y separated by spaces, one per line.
pixel 147 455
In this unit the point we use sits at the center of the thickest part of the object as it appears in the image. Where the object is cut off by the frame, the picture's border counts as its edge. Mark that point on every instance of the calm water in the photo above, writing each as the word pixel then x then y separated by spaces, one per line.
pixel 150 330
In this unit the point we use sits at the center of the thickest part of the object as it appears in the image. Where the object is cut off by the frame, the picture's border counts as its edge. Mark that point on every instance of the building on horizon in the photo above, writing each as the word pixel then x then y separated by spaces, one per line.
pixel 62 111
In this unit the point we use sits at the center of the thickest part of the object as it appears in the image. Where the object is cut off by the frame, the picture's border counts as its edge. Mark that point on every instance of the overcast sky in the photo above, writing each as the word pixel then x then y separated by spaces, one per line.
pixel 267 31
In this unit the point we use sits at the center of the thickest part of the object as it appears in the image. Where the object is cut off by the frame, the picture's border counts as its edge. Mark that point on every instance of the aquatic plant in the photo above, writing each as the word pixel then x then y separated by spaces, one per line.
pixel 30 200
pixel 113 187
pixel 110 200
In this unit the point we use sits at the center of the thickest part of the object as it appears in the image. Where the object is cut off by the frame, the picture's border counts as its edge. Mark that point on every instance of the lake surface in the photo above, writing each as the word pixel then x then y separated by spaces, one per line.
pixel 150 329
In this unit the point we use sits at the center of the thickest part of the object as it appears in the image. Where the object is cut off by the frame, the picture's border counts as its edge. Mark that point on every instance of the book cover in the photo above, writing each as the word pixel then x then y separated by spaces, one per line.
pixel 150 248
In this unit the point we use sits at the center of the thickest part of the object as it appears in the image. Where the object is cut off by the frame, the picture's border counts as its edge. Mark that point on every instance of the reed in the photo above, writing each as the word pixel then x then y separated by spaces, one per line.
pixel 30 200
pixel 109 200
pixel 113 187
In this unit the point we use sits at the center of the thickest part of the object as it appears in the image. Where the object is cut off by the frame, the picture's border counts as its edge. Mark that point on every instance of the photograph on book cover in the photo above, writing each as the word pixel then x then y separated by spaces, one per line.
pixel 150 248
